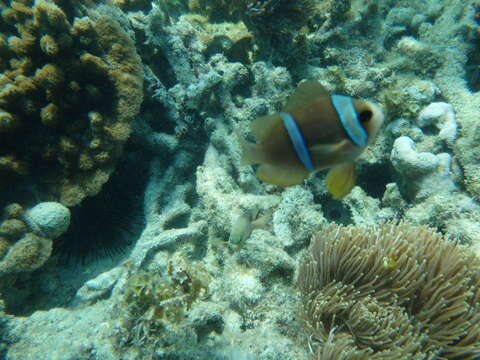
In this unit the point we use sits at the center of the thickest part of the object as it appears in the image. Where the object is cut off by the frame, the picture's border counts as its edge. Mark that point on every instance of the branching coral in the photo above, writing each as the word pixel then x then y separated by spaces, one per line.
pixel 398 291
pixel 69 88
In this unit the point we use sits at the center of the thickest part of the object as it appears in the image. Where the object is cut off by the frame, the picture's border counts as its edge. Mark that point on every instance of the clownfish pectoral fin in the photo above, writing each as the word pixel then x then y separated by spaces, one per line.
pixel 326 155
pixel 282 176
pixel 262 127
pixel 341 179
pixel 305 93
pixel 250 153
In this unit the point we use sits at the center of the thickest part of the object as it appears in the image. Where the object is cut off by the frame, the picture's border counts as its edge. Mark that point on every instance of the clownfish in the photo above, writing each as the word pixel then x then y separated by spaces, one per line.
pixel 315 130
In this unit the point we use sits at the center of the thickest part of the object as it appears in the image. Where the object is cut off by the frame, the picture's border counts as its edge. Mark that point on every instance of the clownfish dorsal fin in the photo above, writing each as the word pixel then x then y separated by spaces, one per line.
pixel 304 94
pixel 263 126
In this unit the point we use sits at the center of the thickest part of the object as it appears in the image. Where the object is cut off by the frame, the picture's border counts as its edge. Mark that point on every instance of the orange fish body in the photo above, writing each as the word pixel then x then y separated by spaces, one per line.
pixel 314 131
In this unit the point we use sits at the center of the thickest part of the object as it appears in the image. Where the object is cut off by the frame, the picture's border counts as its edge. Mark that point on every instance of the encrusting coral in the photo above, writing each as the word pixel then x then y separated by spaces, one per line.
pixel 395 292
pixel 70 87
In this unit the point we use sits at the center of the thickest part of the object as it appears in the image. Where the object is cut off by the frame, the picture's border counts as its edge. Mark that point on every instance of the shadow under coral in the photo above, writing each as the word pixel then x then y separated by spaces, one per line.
pixel 102 230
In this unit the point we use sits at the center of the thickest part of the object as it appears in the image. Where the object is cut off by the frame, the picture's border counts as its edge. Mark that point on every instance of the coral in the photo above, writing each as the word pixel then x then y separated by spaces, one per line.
pixel 3 321
pixel 151 301
pixel 421 173
pixel 407 160
pixel 457 79
pixel 473 64
pixel 26 255
pixel 70 86
pixel 48 219
pixel 200 92
pixel 406 97
pixel 168 212
pixel 270 21
pixel 261 253
pixel 296 218
pixel 293 14
pixel 219 10
pixel 243 290
pixel 133 5
pixel 4 246
pixel 12 228
pixel 98 288
pixel 434 130
pixel 441 117
pixel 22 247
pixel 390 292
pixel 280 28
pixel 222 196
pixel 233 40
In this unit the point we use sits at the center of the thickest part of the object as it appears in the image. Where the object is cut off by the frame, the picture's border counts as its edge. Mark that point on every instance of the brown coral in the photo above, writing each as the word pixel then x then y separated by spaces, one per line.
pixel 394 292
pixel 58 67
pixel 27 254
pixel 20 249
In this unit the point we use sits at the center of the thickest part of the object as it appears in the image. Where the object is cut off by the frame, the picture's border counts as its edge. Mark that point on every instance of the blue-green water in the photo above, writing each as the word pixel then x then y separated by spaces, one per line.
pixel 164 190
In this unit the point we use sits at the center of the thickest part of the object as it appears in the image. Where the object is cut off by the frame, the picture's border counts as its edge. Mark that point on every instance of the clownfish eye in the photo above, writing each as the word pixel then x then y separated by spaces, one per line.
pixel 365 116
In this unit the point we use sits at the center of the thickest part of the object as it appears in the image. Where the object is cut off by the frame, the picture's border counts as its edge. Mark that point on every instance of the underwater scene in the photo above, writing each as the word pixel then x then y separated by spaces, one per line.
pixel 239 179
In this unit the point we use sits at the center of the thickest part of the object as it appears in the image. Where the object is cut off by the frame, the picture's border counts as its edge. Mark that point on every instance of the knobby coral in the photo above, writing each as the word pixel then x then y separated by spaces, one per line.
pixel 395 292
pixel 70 86
pixel 71 83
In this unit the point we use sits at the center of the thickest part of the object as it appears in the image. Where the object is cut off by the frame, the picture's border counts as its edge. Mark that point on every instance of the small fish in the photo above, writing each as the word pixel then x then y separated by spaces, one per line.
pixel 390 262
pixel 314 131
pixel 244 224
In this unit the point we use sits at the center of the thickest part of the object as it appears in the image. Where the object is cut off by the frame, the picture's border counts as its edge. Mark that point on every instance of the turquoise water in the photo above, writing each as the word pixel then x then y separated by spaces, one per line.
pixel 166 185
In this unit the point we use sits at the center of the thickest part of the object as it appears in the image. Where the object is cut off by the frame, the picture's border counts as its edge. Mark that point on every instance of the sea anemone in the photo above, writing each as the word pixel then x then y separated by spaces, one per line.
pixel 393 292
